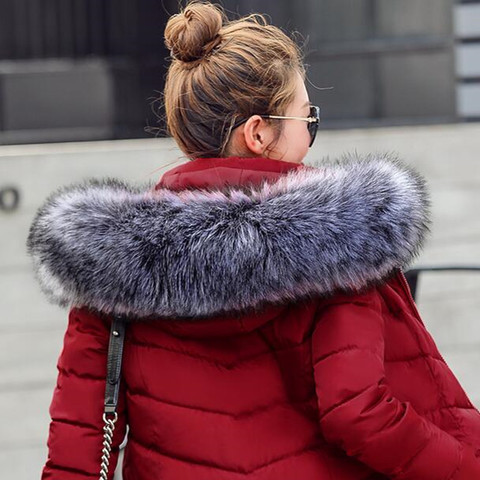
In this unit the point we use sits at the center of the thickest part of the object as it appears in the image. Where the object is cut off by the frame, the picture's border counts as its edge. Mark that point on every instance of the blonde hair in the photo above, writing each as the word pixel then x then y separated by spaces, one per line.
pixel 223 71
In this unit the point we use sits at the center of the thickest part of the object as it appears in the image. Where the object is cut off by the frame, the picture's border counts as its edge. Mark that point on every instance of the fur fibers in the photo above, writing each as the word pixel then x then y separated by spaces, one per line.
pixel 334 225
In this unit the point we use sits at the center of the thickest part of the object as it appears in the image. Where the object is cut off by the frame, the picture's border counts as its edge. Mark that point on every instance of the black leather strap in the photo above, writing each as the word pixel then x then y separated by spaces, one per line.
pixel 114 364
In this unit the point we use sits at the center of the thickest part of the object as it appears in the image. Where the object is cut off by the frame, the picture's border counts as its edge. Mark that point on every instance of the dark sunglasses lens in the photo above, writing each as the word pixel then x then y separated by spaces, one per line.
pixel 313 126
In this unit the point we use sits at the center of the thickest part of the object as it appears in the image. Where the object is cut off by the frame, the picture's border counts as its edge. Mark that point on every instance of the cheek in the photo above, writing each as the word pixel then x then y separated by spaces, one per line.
pixel 295 141
pixel 300 135
pixel 296 133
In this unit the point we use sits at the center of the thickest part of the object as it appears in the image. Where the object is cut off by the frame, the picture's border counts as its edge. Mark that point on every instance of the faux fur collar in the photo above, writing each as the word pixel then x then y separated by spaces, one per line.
pixel 341 225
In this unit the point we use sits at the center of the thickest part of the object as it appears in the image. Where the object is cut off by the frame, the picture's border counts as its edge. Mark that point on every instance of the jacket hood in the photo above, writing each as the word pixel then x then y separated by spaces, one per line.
pixel 145 251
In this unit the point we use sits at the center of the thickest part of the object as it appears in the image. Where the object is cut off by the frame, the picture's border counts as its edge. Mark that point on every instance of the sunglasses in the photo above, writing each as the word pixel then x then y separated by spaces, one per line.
pixel 313 121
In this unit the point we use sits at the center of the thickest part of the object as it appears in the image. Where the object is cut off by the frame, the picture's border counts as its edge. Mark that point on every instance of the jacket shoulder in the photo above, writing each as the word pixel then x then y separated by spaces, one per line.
pixel 89 320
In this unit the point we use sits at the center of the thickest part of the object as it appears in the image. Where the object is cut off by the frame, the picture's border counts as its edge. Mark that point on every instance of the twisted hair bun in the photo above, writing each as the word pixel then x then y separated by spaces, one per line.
pixel 255 71
pixel 195 32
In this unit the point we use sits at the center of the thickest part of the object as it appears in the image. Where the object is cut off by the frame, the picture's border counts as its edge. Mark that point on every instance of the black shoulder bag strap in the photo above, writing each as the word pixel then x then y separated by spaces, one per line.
pixel 112 388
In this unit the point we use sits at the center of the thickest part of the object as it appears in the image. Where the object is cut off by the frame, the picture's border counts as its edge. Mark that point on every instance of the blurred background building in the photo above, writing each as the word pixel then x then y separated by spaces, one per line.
pixel 80 84
pixel 89 69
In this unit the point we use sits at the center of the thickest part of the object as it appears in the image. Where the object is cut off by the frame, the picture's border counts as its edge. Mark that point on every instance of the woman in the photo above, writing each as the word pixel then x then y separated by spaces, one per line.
pixel 271 333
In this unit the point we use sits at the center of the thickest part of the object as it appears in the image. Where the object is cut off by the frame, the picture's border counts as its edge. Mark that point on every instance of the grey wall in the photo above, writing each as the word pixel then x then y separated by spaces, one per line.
pixel 371 62
pixel 467 34
pixel 387 61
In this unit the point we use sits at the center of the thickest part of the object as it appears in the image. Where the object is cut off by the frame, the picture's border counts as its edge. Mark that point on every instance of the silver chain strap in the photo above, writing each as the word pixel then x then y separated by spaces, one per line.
pixel 112 389
pixel 108 429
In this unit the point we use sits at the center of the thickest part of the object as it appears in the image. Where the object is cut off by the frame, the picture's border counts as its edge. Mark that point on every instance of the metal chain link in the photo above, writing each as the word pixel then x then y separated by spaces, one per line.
pixel 108 429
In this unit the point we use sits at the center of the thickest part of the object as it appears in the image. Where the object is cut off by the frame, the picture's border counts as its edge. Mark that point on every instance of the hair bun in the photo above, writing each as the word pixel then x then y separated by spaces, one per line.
pixel 195 32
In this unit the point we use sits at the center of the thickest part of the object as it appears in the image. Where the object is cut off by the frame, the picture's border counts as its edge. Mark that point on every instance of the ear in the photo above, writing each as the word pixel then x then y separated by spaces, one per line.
pixel 257 134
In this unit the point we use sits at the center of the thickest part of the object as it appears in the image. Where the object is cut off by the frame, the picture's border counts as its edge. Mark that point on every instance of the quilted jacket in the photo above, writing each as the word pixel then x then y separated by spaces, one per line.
pixel 271 334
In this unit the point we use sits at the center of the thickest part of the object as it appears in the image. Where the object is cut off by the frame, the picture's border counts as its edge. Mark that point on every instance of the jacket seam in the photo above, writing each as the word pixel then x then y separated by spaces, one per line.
pixel 342 402
pixel 229 365
pixel 349 348
pixel 246 413
pixel 226 469
pixel 72 423
pixel 83 376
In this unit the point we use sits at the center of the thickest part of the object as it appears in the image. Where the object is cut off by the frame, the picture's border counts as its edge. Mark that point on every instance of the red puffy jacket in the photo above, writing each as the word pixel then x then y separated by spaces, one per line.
pixel 272 334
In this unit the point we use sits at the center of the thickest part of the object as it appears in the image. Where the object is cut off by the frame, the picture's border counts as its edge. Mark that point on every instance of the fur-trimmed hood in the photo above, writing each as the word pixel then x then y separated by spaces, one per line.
pixel 333 225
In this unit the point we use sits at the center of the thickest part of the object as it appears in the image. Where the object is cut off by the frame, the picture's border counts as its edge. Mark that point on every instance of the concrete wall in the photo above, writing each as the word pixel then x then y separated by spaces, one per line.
pixel 31 330
pixel 467 58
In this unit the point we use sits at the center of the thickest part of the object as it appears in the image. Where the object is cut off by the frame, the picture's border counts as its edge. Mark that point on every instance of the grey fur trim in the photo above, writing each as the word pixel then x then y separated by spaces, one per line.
pixel 341 224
